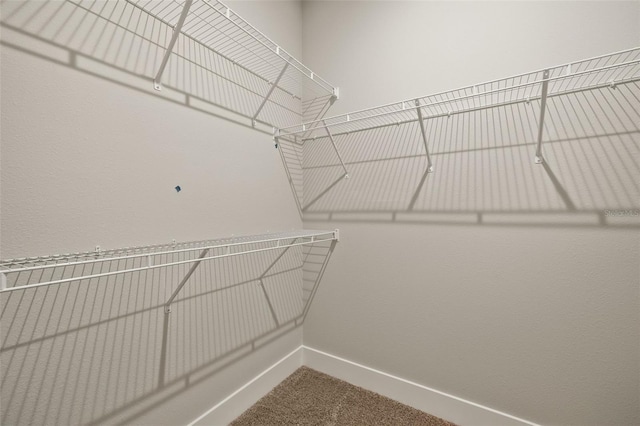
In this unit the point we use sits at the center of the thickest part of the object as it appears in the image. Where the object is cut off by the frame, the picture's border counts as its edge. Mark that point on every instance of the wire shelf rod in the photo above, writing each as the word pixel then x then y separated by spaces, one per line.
pixel 404 105
pixel 200 28
pixel 451 100
pixel 217 57
pixel 279 51
pixel 462 111
pixel 347 119
pixel 200 43
pixel 212 36
pixel 140 255
pixel 164 265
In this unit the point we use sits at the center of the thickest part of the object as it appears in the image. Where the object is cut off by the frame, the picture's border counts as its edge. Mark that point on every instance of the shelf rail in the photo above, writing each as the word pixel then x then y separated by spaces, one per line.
pixel 605 71
pixel 13 271
pixel 216 27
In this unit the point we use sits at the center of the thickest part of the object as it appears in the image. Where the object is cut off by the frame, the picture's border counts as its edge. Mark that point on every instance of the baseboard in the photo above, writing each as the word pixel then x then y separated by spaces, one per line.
pixel 432 401
pixel 239 401
pixel 440 404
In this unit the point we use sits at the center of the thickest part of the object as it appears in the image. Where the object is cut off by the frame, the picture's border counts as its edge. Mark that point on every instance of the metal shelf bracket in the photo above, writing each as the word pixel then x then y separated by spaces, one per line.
pixel 167 306
pixel 539 159
pixel 424 136
pixel 176 31
pixel 261 281
pixel 346 172
pixel 314 289
pixel 266 98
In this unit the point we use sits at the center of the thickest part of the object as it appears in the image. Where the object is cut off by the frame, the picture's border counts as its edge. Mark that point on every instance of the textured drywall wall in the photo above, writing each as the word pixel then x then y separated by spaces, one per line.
pixel 463 280
pixel 90 156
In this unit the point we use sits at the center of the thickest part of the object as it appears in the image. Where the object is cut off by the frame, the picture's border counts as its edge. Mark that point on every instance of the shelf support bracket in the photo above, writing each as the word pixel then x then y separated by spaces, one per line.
pixel 333 142
pixel 318 279
pixel 539 159
pixel 167 306
pixel 424 136
pixel 266 98
pixel 176 31
pixel 264 290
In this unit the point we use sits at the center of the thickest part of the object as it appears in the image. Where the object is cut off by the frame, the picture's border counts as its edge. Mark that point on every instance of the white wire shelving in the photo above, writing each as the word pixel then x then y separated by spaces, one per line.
pixel 33 272
pixel 277 89
pixel 601 72
pixel 202 52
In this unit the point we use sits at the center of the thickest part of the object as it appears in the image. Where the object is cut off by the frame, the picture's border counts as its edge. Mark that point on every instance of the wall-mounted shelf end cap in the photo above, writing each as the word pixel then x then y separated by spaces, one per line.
pixel 336 234
pixel 336 93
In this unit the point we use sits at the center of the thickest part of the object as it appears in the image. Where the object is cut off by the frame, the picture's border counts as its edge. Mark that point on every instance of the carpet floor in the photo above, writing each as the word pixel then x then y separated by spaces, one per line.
pixel 309 397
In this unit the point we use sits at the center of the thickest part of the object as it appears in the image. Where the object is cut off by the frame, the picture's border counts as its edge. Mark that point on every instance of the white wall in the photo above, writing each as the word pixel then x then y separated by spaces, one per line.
pixel 494 299
pixel 90 156
pixel 401 50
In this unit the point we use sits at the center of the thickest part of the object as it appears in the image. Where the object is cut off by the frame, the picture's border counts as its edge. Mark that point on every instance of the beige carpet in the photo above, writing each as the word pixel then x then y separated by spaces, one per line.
pixel 309 397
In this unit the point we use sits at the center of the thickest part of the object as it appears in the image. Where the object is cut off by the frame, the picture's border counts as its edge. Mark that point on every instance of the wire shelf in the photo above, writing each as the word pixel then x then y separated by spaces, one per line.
pixel 276 88
pixel 599 72
pixel 198 48
pixel 18 274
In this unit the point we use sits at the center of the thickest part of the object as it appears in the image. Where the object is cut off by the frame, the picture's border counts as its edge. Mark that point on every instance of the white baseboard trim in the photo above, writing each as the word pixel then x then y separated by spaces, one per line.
pixel 239 401
pixel 432 401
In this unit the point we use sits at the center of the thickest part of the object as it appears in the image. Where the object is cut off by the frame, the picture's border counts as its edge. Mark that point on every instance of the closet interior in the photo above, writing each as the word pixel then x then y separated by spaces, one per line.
pixel 203 55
